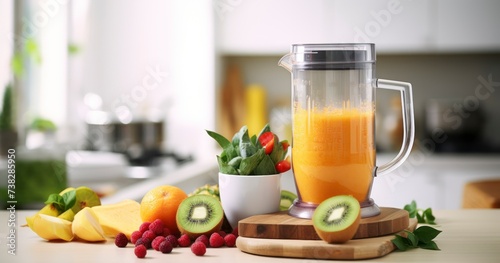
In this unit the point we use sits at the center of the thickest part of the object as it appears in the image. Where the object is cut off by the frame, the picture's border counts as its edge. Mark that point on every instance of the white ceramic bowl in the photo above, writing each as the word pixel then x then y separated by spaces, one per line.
pixel 243 196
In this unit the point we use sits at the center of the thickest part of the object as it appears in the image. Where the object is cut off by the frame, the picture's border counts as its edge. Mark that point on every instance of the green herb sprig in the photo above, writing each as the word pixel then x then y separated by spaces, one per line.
pixel 423 216
pixel 421 237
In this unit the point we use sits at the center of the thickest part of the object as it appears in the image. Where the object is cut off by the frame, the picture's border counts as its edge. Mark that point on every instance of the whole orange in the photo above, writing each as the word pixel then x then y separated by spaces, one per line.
pixel 161 203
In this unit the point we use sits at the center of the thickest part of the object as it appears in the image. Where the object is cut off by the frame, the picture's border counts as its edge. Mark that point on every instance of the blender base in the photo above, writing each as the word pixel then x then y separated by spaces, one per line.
pixel 306 210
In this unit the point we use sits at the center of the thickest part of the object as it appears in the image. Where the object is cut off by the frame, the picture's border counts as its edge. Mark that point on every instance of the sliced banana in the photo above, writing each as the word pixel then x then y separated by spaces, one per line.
pixel 86 226
pixel 52 228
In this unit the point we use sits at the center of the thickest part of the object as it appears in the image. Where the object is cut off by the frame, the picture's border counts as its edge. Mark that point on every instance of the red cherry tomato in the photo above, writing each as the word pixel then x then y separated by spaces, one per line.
pixel 267 141
pixel 285 145
pixel 283 166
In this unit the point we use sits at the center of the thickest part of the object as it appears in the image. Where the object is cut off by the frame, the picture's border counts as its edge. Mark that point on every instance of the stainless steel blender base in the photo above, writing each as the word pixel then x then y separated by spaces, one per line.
pixel 306 210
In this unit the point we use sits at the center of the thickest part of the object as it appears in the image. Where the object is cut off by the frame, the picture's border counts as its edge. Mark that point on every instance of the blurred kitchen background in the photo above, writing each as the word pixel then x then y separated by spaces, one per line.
pixel 121 92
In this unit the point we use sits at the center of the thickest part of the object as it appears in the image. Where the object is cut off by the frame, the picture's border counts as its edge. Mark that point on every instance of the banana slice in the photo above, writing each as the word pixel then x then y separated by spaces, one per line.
pixel 52 228
pixel 86 226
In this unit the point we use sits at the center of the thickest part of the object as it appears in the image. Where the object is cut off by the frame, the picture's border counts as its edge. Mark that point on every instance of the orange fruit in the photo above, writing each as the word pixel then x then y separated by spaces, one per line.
pixel 161 203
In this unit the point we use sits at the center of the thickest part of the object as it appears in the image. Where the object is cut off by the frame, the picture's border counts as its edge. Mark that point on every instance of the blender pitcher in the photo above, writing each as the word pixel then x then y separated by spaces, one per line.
pixel 333 124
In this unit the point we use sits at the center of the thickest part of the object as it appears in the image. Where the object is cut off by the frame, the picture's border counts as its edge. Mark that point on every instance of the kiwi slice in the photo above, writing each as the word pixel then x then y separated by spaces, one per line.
pixel 287 199
pixel 336 219
pixel 199 215
pixel 85 197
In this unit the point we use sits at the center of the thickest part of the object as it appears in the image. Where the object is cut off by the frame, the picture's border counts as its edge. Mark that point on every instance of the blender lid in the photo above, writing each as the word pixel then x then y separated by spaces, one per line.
pixel 333 56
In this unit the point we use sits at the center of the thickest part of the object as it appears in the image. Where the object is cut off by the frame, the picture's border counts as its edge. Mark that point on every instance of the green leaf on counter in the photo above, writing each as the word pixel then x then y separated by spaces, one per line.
pixel 401 243
pixel 423 216
pixel 426 233
pixel 411 208
pixel 420 238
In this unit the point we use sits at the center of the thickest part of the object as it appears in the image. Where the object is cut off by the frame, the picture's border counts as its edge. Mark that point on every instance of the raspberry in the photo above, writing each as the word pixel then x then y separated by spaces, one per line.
pixel 135 235
pixel 184 241
pixel 198 248
pixel 140 251
pixel 165 247
pixel 173 240
pixel 235 231
pixel 230 240
pixel 166 232
pixel 149 234
pixel 157 227
pixel 203 239
pixel 222 233
pixel 121 240
pixel 155 244
pixel 144 227
pixel 143 241
pixel 216 240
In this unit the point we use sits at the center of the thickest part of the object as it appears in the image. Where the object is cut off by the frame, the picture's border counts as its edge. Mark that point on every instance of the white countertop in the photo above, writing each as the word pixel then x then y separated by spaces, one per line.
pixel 468 236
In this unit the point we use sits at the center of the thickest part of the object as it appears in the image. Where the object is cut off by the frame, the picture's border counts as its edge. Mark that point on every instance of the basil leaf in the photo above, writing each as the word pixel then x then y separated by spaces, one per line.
pixel 411 208
pixel 420 218
pixel 228 153
pixel 412 238
pixel 247 149
pixel 426 233
pixel 266 166
pixel 429 217
pixel 225 168
pixel 430 245
pixel 401 243
pixel 69 199
pixel 248 164
pixel 57 201
pixel 235 162
pixel 277 153
pixel 221 140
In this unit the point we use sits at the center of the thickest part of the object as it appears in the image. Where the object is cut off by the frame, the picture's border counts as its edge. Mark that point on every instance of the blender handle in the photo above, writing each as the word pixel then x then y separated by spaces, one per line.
pixel 408 123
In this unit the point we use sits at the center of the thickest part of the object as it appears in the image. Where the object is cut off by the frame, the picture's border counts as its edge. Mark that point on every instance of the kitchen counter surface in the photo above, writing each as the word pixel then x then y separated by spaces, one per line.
pixel 468 236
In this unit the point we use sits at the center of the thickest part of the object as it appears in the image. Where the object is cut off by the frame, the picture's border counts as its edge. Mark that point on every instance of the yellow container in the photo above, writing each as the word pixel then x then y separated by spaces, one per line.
pixel 256 103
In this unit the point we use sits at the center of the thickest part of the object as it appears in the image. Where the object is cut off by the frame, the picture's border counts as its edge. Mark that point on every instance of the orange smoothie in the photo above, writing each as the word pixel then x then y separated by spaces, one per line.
pixel 333 153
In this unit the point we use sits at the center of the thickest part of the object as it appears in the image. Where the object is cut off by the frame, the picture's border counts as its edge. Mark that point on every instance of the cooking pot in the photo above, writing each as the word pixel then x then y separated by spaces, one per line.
pixel 140 141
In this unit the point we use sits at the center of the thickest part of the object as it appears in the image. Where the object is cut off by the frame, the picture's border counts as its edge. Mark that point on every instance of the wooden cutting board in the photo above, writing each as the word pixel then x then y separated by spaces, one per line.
pixel 283 226
pixel 317 249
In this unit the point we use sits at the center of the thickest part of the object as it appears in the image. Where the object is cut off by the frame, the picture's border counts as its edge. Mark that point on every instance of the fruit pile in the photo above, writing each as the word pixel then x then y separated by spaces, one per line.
pixel 173 219
pixel 165 218
pixel 66 215
pixel 77 214
pixel 155 236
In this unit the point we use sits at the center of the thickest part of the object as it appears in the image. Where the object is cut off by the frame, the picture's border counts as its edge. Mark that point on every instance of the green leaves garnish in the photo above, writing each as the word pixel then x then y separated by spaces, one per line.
pixel 62 202
pixel 423 216
pixel 421 237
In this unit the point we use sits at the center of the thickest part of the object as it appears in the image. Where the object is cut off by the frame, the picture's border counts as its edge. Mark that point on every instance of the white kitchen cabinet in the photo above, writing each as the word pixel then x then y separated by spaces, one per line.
pixel 435 181
pixel 396 26
pixel 467 25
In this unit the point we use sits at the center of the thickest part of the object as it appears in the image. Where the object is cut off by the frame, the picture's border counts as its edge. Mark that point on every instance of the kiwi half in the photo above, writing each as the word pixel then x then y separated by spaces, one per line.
pixel 336 219
pixel 287 199
pixel 199 215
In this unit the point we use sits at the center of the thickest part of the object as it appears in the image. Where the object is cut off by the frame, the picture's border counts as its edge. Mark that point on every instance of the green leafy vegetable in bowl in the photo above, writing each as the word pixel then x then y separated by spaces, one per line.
pixel 261 154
